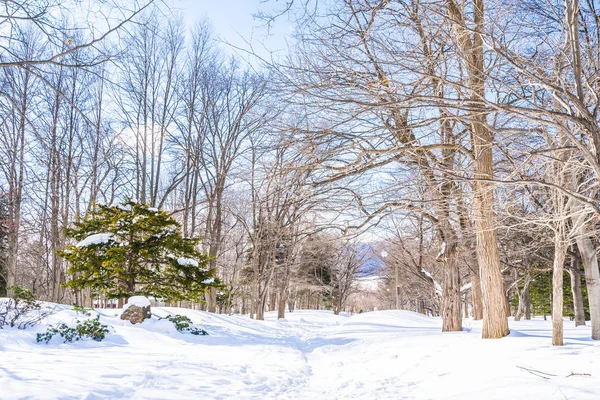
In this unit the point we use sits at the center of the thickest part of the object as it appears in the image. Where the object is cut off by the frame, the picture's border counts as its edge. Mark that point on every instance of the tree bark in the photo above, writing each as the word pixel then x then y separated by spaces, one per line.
pixel 592 281
pixel 560 250
pixel 420 306
pixel 281 304
pixel 451 312
pixel 527 301
pixel 476 297
pixel 524 301
pixel 575 274
pixel 520 307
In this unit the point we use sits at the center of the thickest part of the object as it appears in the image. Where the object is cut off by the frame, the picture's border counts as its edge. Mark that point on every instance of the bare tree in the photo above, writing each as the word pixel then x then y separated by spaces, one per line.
pixel 348 264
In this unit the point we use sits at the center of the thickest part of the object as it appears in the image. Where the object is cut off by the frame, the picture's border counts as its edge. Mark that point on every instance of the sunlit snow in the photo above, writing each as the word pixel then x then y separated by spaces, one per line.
pixel 97 238
pixel 309 355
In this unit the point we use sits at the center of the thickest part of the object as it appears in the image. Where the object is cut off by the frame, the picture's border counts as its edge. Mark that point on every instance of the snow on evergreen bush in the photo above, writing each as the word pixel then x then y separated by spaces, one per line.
pixel 132 249
pixel 88 328
pixel 184 324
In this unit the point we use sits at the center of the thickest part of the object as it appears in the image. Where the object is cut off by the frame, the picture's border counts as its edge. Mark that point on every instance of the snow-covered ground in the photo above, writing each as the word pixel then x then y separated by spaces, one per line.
pixel 310 355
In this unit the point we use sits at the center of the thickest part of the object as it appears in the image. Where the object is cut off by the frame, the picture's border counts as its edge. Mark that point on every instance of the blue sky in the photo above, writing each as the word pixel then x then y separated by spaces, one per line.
pixel 233 21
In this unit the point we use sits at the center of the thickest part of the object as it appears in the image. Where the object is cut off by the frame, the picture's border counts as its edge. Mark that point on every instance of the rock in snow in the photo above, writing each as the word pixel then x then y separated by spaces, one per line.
pixel 136 310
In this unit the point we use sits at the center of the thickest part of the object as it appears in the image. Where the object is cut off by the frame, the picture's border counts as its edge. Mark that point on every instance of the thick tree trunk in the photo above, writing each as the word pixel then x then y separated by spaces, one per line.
pixel 495 323
pixel 211 300
pixel 420 306
pixel 575 274
pixel 476 296
pixel 451 303
pixel 260 308
pixel 282 301
pixel 592 281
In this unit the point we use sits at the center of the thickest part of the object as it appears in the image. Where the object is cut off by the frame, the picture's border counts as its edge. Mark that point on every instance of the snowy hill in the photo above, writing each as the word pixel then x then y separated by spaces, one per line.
pixel 310 355
pixel 369 283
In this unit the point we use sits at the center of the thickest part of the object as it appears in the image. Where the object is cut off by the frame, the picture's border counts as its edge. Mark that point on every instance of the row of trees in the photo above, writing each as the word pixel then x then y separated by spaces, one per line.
pixel 162 116
pixel 475 121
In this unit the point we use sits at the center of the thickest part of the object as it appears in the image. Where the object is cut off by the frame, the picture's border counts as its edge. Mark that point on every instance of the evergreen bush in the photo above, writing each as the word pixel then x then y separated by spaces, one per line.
pixel 88 328
pixel 184 324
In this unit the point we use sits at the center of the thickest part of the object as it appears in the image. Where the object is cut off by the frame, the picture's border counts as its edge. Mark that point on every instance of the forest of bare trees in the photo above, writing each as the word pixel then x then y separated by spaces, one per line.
pixel 450 148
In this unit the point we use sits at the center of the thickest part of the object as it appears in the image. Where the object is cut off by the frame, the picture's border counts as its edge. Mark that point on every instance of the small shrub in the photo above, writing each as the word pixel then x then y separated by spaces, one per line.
pixel 93 329
pixel 89 328
pixel 181 322
pixel 67 333
pixel 22 310
pixel 184 324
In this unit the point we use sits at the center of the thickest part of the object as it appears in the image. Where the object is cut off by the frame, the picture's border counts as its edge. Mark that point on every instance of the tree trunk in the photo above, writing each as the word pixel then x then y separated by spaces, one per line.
pixel 476 296
pixel 54 179
pixel 451 313
pixel 520 307
pixel 339 303
pixel 592 281
pixel 560 250
pixel 260 309
pixel 281 304
pixel 261 301
pixel 527 301
pixel 524 307
pixel 526 294
pixel 575 274
pixel 495 323
pixel 15 194
pixel 420 306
